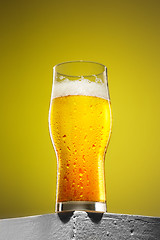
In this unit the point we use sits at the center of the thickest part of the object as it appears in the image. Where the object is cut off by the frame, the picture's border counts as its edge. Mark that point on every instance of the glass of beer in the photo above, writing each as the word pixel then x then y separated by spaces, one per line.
pixel 80 127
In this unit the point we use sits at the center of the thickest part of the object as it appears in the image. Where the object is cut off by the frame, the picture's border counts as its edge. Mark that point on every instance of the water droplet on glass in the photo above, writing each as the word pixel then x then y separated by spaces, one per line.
pixel 73 183
pixel 93 146
pixel 65 178
pixel 80 172
pixel 68 165
pixel 68 148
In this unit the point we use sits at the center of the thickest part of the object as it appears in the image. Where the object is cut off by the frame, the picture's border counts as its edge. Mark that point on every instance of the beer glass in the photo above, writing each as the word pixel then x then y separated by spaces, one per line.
pixel 80 128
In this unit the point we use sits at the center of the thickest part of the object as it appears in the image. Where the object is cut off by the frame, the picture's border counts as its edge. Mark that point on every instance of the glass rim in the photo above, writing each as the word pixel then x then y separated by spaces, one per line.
pixel 80 61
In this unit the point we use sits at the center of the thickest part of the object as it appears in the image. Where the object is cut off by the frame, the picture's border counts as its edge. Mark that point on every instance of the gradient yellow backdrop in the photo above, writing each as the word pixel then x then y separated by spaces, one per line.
pixel 36 35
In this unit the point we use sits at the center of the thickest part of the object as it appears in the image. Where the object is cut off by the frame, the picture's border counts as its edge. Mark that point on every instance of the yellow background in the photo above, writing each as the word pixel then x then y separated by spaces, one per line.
pixel 36 35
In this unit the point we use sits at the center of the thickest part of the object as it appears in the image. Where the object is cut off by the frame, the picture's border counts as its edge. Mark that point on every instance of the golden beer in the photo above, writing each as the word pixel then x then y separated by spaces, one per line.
pixel 80 128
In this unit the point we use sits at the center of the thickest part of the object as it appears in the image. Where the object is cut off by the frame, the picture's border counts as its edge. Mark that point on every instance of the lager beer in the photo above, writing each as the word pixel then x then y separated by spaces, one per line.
pixel 80 127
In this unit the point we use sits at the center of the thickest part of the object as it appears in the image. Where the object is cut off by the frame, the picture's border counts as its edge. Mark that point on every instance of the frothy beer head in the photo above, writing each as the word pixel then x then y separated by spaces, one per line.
pixel 81 86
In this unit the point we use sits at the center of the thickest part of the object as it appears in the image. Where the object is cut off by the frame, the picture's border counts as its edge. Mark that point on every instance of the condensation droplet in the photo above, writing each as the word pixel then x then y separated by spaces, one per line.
pixel 81 195
pixel 93 146
pixel 80 172
pixel 68 148
pixel 65 178
pixel 73 183
pixel 68 165
pixel 81 185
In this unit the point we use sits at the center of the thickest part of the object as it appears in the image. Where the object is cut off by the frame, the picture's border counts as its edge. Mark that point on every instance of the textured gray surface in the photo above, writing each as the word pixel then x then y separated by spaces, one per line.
pixel 80 225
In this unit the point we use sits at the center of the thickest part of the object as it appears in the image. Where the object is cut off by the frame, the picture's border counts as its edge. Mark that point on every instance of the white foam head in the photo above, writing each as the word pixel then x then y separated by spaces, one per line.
pixel 80 87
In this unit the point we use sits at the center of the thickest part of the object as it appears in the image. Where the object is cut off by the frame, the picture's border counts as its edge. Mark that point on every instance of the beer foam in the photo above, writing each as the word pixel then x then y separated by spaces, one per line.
pixel 80 87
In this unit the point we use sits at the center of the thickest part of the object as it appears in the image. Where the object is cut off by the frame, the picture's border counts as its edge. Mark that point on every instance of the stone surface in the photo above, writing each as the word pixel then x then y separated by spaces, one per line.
pixel 80 225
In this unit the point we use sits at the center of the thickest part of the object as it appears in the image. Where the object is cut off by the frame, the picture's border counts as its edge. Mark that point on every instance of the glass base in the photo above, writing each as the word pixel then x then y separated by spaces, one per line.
pixel 81 206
